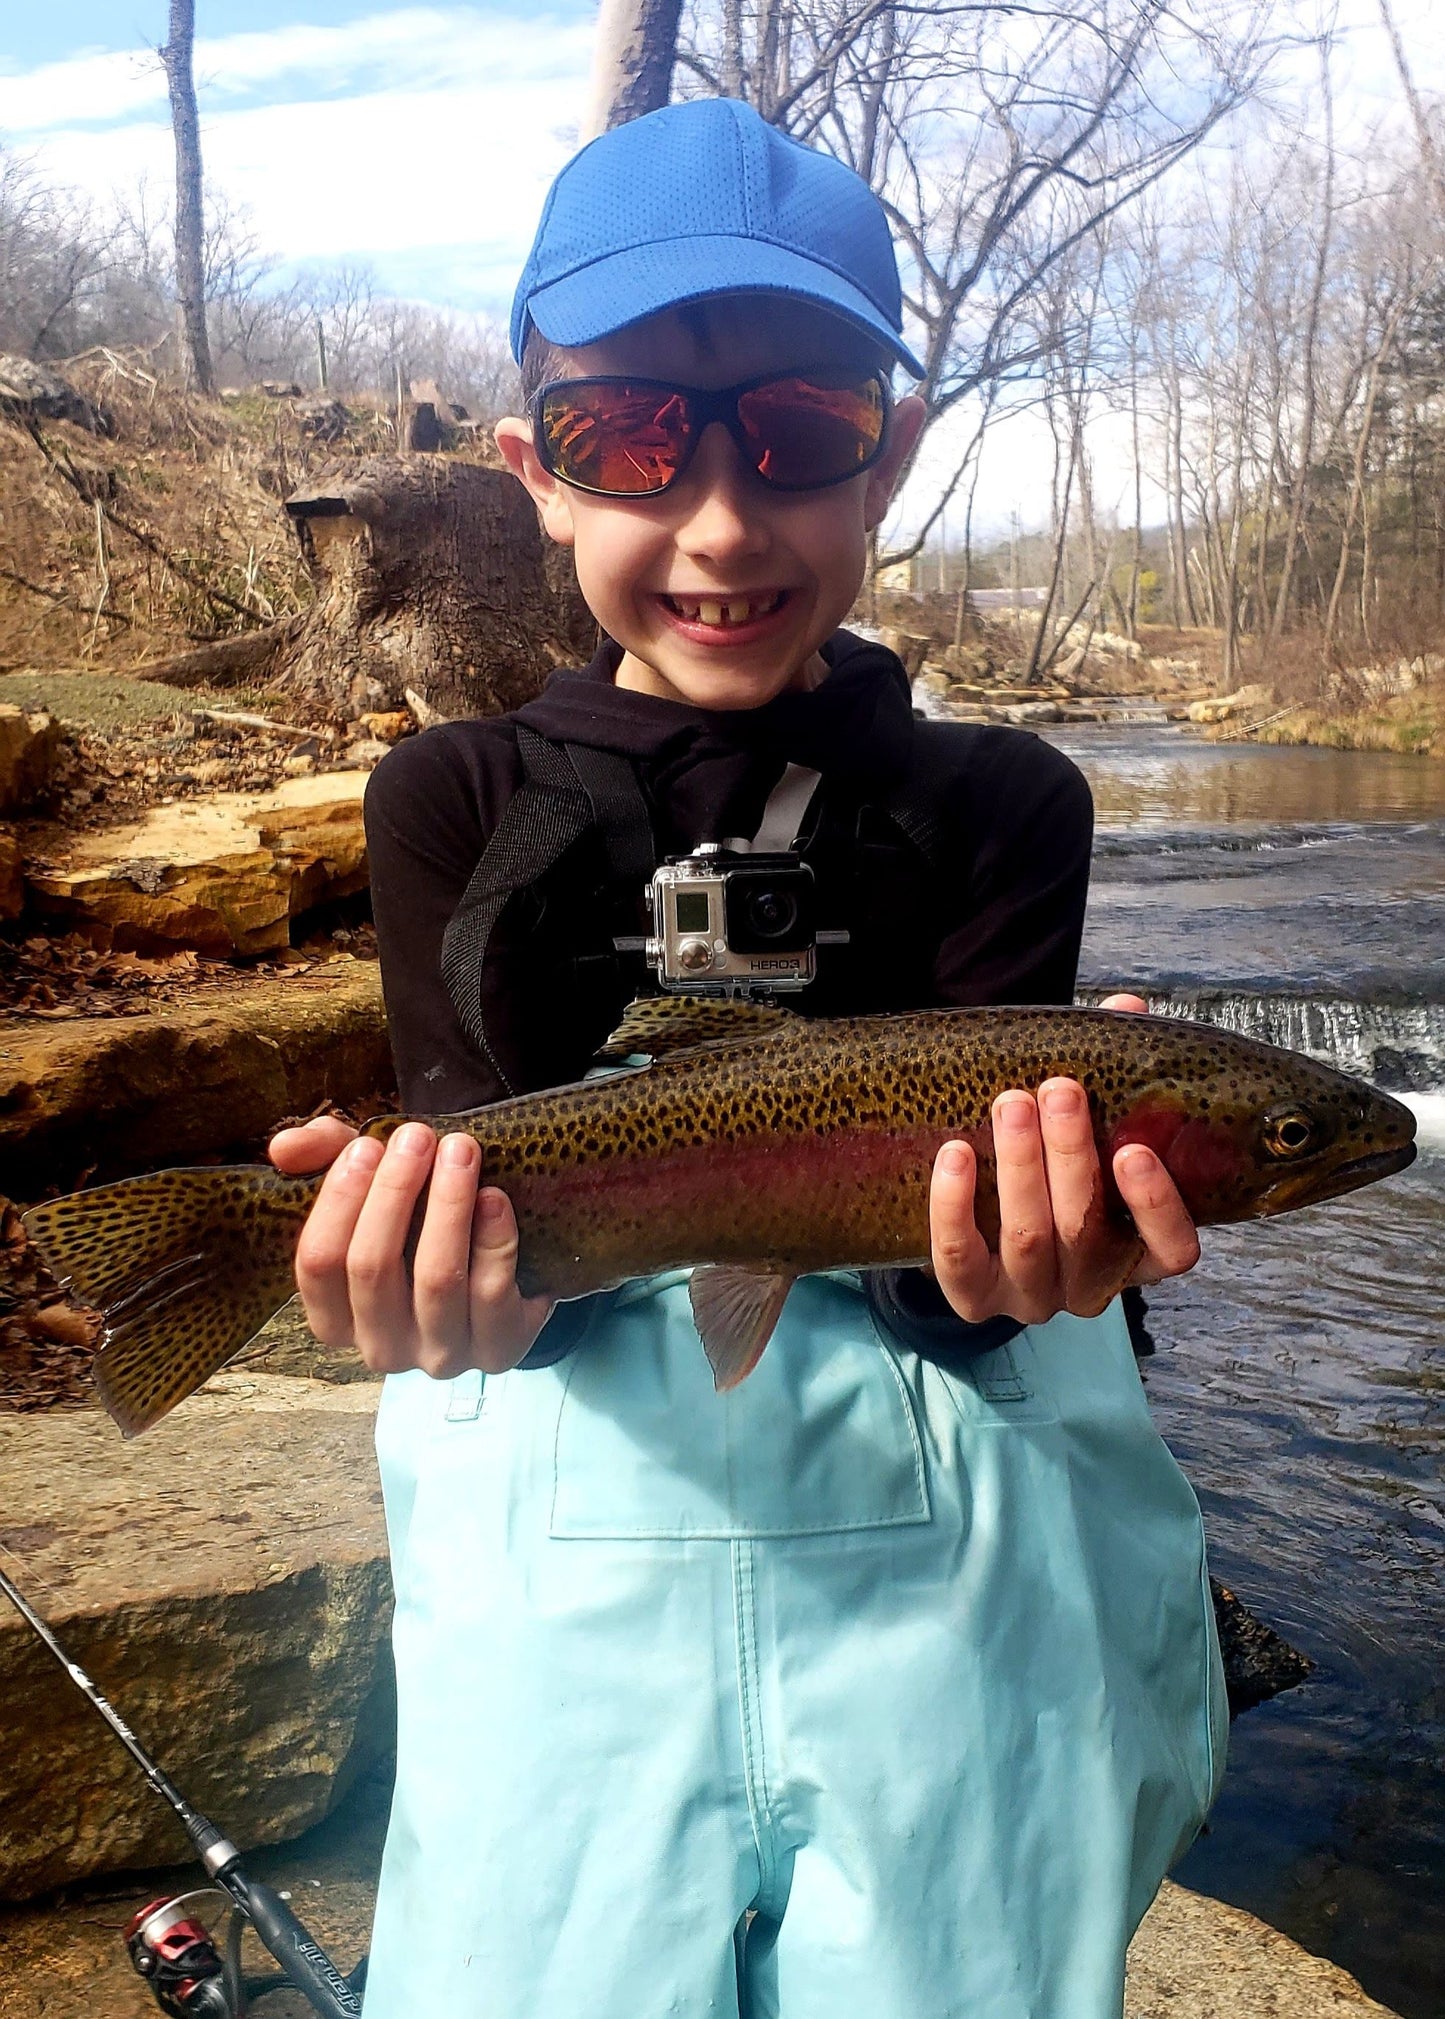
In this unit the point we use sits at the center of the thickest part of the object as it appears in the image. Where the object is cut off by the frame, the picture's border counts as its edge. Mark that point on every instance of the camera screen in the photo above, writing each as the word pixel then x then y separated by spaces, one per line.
pixel 692 911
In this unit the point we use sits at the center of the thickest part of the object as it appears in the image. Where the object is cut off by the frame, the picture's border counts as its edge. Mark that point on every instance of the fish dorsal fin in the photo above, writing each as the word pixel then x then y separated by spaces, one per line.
pixel 735 1311
pixel 658 1025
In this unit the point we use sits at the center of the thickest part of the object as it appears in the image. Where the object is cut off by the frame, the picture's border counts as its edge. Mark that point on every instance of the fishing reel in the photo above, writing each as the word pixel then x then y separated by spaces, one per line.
pixel 191 1976
pixel 174 1951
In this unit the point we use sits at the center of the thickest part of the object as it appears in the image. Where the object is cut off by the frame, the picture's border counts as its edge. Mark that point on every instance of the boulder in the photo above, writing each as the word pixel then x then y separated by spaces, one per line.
pixel 1024 712
pixel 32 390
pixel 390 726
pixel 322 418
pixel 224 1582
pixel 911 648
pixel 116 1093
pixel 225 874
pixel 29 747
pixel 1223 707
pixel 12 876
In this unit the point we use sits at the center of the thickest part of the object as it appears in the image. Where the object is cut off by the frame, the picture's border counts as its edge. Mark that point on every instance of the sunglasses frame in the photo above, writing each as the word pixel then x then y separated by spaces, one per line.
pixel 706 407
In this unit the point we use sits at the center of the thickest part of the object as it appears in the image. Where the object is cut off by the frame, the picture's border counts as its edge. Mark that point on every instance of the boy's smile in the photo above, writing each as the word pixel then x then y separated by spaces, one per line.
pixel 720 589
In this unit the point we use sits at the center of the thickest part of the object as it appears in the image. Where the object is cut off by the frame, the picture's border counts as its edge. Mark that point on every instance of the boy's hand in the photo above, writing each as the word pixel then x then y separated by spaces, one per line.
pixel 457 1305
pixel 1053 1252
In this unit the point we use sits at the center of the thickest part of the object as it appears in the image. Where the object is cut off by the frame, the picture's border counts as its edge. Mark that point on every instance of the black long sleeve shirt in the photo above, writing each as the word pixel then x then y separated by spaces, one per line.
pixel 1010 891
pixel 995 917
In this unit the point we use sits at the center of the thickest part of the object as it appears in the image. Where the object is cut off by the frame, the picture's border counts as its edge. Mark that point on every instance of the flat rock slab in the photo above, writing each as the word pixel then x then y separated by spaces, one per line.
pixel 1196 1958
pixel 224 1582
pixel 225 874
pixel 116 1093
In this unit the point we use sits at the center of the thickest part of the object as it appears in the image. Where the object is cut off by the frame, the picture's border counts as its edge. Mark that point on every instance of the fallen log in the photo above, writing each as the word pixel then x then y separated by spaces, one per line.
pixel 224 662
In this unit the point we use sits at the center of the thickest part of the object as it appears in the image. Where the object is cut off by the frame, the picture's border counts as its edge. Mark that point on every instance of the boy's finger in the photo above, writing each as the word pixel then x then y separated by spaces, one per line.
pixel 1027 1258
pixel 965 1269
pixel 376 1273
pixel 325 1239
pixel 1170 1240
pixel 1134 1004
pixel 311 1147
pixel 1071 1157
pixel 441 1268
pixel 502 1324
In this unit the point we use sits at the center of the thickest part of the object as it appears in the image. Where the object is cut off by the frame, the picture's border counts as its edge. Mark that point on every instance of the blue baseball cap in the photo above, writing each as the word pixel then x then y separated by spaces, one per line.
pixel 701 199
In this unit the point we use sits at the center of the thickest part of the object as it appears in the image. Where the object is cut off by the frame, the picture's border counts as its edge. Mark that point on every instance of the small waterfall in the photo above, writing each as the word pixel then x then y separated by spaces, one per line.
pixel 1399 1046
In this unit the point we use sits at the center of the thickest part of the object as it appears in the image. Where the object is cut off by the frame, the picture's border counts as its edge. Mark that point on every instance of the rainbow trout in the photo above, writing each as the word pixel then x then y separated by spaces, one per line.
pixel 756 1146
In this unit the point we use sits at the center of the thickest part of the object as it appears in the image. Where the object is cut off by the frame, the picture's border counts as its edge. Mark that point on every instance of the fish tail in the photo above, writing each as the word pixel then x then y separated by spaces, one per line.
pixel 185 1267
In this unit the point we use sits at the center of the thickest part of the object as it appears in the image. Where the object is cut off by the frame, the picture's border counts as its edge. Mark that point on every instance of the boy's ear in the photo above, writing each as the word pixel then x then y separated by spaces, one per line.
pixel 904 428
pixel 513 437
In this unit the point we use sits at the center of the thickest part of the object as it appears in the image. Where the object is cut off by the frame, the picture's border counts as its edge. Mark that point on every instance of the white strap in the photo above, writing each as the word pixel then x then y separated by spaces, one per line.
pixel 784 814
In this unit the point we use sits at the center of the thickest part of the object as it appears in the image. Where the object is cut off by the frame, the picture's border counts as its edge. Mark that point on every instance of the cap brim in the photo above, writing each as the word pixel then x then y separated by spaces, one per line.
pixel 622 288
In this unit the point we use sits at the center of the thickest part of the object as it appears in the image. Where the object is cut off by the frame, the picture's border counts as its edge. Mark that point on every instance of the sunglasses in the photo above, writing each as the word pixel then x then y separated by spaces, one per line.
pixel 631 438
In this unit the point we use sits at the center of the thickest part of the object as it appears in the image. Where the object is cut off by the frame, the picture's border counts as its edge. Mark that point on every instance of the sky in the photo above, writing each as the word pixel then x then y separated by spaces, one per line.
pixel 420 140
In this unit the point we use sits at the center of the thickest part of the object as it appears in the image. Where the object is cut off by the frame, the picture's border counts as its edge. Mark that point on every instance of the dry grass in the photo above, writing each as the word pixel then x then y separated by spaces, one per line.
pixel 1411 724
pixel 180 508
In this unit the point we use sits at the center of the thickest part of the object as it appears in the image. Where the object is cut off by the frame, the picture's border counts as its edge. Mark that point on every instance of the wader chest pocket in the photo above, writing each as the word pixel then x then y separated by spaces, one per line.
pixel 820 1439
pixel 1002 1386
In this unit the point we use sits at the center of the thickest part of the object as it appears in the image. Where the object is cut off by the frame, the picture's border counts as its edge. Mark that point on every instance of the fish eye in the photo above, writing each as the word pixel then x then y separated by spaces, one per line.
pixel 1288 1133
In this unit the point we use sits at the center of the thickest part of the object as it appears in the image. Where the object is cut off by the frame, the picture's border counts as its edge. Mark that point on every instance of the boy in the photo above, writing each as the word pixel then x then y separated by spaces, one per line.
pixel 885 1684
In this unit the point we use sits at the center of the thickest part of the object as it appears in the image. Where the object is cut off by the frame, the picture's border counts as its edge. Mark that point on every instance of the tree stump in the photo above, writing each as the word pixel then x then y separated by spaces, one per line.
pixel 432 575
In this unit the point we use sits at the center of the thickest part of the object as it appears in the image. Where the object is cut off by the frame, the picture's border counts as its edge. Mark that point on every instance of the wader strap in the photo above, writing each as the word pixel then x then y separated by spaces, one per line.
pixel 567 790
pixel 919 813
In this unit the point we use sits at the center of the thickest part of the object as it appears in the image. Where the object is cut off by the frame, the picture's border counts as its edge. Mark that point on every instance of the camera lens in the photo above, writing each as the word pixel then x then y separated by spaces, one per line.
pixel 771 914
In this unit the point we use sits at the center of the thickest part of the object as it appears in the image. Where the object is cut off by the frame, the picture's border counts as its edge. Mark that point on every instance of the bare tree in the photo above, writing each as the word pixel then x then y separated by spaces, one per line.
pixel 52 254
pixel 190 217
pixel 999 136
pixel 632 61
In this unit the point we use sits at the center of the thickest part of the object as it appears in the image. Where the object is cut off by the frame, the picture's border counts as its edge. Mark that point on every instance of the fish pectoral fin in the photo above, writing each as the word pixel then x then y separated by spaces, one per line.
pixel 735 1311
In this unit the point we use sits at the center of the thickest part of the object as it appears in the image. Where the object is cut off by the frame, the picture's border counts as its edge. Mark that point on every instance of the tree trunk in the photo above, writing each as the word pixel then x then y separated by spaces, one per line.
pixel 190 226
pixel 1136 551
pixel 632 62
pixel 434 576
pixel 1300 474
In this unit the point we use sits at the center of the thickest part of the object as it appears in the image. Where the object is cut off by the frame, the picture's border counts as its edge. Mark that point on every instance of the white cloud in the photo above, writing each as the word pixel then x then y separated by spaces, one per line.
pixel 452 153
pixel 414 47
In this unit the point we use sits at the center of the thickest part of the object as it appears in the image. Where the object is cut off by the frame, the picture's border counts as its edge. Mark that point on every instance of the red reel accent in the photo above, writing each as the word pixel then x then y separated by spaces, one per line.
pixel 174 1956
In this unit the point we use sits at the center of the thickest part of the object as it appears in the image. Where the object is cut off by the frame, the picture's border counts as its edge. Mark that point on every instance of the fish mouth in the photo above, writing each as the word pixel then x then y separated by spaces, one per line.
pixel 1311 1189
pixel 1383 1164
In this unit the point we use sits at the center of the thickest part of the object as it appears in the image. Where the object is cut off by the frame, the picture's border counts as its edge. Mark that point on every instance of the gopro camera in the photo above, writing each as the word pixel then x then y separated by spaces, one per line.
pixel 727 923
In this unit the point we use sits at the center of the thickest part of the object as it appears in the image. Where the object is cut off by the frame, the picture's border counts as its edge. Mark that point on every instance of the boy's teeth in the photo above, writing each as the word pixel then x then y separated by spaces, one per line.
pixel 714 611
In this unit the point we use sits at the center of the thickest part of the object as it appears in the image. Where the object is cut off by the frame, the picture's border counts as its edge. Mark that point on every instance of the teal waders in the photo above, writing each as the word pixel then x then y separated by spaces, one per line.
pixel 867 1691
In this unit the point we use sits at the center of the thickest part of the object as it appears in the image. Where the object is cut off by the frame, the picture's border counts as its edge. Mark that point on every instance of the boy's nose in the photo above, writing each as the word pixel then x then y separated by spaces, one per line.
pixel 721 512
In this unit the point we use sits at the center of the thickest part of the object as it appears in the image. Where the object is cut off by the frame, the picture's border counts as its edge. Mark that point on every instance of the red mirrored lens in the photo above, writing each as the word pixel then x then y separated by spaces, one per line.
pixel 802 433
pixel 609 436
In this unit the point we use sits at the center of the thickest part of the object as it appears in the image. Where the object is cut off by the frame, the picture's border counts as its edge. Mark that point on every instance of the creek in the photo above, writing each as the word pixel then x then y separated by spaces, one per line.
pixel 1299 895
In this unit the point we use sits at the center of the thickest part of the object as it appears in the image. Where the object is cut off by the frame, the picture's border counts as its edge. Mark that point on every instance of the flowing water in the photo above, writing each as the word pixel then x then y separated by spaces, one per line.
pixel 1299 895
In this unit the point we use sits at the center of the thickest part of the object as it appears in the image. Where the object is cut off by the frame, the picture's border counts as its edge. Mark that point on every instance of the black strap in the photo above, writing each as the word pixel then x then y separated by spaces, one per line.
pixel 567 791
pixel 619 812
pixel 917 807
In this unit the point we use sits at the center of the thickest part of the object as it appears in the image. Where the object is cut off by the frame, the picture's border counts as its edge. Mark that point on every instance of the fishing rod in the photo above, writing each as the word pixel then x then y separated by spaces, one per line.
pixel 169 1946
